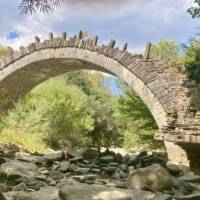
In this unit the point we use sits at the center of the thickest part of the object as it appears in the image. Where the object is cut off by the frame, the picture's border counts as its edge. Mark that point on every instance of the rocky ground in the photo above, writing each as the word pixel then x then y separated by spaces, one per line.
pixel 82 175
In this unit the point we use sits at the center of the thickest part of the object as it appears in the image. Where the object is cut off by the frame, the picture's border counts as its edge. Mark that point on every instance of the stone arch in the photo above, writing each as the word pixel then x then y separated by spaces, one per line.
pixel 152 80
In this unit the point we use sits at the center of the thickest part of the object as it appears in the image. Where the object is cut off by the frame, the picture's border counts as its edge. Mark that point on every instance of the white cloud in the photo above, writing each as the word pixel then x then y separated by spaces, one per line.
pixel 132 21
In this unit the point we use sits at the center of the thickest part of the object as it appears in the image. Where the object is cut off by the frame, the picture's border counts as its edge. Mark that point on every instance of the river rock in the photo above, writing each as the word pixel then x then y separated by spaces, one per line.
pixel 64 166
pixel 190 178
pixel 107 159
pixel 154 178
pixel 16 169
pixel 90 154
pixel 82 170
pixel 55 156
pixel 92 192
pixel 195 196
pixel 75 160
pixel 46 193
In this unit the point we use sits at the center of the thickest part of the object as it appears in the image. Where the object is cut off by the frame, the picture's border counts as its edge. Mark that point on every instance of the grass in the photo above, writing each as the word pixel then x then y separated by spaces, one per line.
pixel 32 142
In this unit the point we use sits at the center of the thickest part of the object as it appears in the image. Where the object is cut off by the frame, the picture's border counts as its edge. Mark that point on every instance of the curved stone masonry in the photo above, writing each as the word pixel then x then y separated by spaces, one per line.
pixel 158 83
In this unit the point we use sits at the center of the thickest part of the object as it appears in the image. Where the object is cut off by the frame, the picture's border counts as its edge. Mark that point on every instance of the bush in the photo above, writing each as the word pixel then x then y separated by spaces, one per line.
pixel 54 111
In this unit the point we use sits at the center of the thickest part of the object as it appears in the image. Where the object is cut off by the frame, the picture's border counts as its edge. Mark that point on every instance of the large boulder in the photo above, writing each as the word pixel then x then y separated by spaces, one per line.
pixel 154 178
pixel 15 169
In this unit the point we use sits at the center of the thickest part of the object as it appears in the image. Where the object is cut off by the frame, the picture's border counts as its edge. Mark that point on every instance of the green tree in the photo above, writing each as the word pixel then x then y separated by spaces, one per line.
pixel 165 49
pixel 195 10
pixel 105 132
pixel 136 122
pixel 54 111
pixel 192 59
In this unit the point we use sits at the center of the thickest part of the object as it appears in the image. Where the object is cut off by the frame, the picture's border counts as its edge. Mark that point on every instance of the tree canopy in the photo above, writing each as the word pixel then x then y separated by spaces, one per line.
pixel 165 49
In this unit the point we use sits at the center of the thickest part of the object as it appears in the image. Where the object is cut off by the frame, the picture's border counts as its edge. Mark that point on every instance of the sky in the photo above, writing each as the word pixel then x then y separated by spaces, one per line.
pixel 134 21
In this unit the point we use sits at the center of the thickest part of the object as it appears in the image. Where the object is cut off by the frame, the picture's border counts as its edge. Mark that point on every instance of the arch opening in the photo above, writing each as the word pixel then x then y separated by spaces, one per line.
pixel 18 78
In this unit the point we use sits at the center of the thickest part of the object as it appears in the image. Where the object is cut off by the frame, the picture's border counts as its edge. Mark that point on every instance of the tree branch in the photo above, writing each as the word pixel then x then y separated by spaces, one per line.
pixel 32 6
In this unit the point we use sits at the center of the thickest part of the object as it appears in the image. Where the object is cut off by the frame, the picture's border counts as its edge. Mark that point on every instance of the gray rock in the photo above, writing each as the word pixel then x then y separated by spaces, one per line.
pixel 20 187
pixel 142 153
pixel 113 164
pixel 75 160
pixel 46 193
pixel 118 158
pixel 52 183
pixel 3 160
pixel 174 169
pixel 55 167
pixel 17 169
pixel 109 170
pixel 82 170
pixel 92 192
pixel 112 195
pixel 190 178
pixel 154 178
pixel 96 171
pixel 131 169
pixel 161 196
pixel 73 167
pixel 90 154
pixel 56 156
pixel 124 167
pixel 159 154
pixel 133 160
pixel 195 196
pixel 64 166
pixel 116 175
pixel 45 172
pixel 106 159
pixel 142 195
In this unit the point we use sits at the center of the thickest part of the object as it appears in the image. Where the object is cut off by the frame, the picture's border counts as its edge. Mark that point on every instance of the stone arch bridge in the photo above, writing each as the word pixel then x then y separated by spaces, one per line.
pixel 161 86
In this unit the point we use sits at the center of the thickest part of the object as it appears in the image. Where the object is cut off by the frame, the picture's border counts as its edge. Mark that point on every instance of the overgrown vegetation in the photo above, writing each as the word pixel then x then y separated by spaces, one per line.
pixel 165 49
pixel 77 109
pixel 186 57
pixel 3 51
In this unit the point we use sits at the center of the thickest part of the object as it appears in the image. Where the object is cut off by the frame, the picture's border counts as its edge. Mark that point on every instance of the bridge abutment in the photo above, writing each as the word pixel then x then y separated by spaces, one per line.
pixel 186 154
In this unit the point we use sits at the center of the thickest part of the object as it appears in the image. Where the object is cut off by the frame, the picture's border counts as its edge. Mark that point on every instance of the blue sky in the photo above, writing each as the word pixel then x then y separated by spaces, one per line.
pixel 132 21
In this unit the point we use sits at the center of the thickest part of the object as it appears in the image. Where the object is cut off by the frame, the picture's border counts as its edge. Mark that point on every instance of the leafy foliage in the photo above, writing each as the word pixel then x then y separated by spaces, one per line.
pixel 77 109
pixel 139 124
pixel 44 6
pixel 192 59
pixel 55 111
pixel 195 10
pixel 165 49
